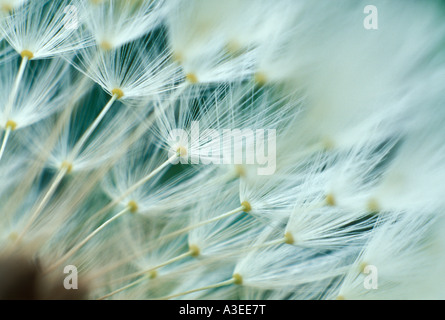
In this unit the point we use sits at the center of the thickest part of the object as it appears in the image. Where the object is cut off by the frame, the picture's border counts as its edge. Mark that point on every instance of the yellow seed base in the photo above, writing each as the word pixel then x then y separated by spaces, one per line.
pixel 194 250
pixel 67 165
pixel 260 79
pixel 246 206
pixel 192 78
pixel 10 124
pixel 289 238
pixel 105 45
pixel 152 274
pixel 373 206
pixel 118 92
pixel 237 279
pixel 27 54
pixel 133 206
pixel 330 200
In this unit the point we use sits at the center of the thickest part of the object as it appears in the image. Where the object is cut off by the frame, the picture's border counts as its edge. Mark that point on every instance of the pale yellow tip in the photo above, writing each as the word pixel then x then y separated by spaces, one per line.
pixel 340 297
pixel 105 45
pixel 330 200
pixel 177 57
pixel 192 78
pixel 373 206
pixel 7 7
pixel 152 274
pixel 13 236
pixel 27 54
pixel 194 250
pixel 237 279
pixel 328 144
pixel 68 166
pixel 233 46
pixel 10 124
pixel 240 171
pixel 362 267
pixel 117 92
pixel 246 206
pixel 133 206
pixel 260 79
pixel 288 238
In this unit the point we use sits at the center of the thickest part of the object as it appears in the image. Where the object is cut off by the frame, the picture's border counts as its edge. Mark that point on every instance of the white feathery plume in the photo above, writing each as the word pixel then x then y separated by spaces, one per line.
pixel 135 71
pixel 343 105
pixel 196 36
pixel 403 254
pixel 309 291
pixel 410 181
pixel 252 24
pixel 225 128
pixel 94 154
pixel 284 265
pixel 127 75
pixel 46 87
pixel 36 30
pixel 222 238
pixel 332 207
pixel 160 195
pixel 267 277
pixel 159 262
pixel 11 223
pixel 44 96
pixel 40 29
pixel 269 198
pixel 200 282
pixel 116 127
pixel 114 23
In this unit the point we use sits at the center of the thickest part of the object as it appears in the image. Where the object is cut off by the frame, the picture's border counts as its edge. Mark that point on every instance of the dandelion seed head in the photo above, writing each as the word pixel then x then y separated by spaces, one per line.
pixel 205 149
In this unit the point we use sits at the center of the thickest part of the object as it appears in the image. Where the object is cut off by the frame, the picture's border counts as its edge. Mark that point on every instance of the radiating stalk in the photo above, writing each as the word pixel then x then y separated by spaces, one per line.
pixel 86 135
pixel 203 223
pixel 140 130
pixel 130 285
pixel 11 101
pixel 133 283
pixel 5 140
pixel 175 233
pixel 133 187
pixel 213 286
pixel 15 86
pixel 66 168
pixel 53 186
pixel 71 252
